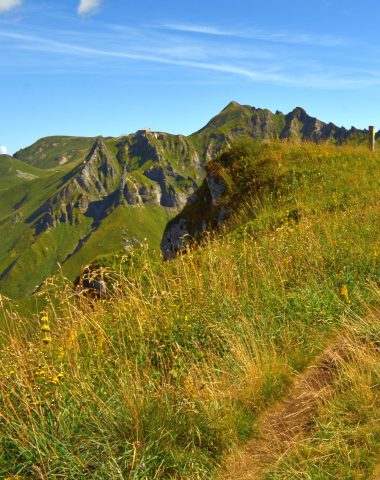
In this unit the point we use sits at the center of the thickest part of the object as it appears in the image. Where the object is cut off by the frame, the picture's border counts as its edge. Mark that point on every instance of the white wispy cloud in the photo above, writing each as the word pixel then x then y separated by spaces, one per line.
pixel 8 5
pixel 133 49
pixel 44 44
pixel 62 47
pixel 3 150
pixel 88 6
pixel 255 34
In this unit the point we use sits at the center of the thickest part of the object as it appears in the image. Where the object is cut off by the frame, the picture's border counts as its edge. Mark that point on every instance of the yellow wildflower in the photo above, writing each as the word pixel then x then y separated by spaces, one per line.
pixel 45 328
pixel 344 293
pixel 46 340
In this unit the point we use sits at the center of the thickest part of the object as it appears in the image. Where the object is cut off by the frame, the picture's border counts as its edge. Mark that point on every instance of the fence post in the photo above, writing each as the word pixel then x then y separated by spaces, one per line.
pixel 371 138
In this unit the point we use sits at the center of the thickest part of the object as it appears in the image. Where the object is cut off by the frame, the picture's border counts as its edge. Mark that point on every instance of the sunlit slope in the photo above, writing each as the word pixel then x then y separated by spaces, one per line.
pixel 141 224
pixel 196 355
pixel 50 152
pixel 123 189
pixel 303 179
pixel 31 256
pixel 15 172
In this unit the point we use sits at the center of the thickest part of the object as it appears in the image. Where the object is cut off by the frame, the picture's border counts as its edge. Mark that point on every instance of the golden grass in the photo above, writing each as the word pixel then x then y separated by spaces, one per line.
pixel 168 374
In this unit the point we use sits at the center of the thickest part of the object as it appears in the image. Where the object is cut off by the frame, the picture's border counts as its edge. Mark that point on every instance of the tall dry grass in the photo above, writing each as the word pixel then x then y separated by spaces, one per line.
pixel 168 373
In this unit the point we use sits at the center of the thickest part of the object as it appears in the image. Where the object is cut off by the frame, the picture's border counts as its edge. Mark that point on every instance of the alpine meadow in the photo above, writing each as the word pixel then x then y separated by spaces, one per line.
pixel 189 306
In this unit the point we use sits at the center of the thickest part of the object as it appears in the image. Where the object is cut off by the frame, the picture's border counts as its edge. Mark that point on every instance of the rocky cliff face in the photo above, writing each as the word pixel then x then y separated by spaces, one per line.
pixel 147 169
pixel 202 212
pixel 92 180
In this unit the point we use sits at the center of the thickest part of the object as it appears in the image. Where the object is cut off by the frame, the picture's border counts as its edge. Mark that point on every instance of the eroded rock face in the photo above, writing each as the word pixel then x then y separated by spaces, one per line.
pixel 216 187
pixel 130 192
pixel 103 180
pixel 263 124
pixel 91 181
pixel 202 211
pixel 175 239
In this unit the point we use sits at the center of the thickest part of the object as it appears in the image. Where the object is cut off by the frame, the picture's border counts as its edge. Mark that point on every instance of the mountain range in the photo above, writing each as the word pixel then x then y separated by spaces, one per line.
pixel 65 200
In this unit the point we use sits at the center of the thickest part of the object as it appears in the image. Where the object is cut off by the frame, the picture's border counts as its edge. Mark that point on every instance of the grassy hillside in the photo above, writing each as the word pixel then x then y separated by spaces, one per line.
pixel 140 223
pixel 21 252
pixel 173 371
pixel 50 152
pixel 107 190
pixel 15 172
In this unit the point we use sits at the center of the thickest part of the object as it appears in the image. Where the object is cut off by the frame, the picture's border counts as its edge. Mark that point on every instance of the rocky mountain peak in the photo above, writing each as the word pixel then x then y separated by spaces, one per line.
pixel 300 114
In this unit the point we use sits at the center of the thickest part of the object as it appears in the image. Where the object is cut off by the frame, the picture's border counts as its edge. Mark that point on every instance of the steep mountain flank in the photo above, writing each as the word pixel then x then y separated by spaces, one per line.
pixel 85 186
pixel 68 199
pixel 127 187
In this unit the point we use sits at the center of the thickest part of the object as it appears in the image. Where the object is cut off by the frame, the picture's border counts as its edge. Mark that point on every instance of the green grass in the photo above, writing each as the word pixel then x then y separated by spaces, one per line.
pixel 50 152
pixel 166 376
pixel 19 243
pixel 136 223
pixel 15 172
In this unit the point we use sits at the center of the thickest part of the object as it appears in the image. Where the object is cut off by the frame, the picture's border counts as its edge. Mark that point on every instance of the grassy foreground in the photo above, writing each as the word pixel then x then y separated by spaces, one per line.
pixel 166 376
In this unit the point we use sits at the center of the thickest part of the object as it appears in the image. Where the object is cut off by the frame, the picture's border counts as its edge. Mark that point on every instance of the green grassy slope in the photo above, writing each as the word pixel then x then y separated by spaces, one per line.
pixel 319 175
pixel 238 119
pixel 14 172
pixel 144 224
pixel 50 152
pixel 76 211
pixel 34 257
pixel 167 375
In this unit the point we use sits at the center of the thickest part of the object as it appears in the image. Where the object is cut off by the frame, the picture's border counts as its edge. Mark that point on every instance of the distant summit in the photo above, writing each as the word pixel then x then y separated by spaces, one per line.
pixel 237 120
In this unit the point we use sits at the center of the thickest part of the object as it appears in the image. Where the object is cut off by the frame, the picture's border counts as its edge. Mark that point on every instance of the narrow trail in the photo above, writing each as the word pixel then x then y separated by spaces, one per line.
pixel 288 421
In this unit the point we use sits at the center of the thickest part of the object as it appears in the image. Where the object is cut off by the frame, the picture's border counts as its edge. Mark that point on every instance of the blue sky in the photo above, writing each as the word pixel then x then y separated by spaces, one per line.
pixel 110 67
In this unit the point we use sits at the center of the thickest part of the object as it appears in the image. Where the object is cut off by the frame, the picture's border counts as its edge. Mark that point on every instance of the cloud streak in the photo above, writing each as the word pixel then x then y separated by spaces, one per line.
pixel 133 49
pixel 68 48
pixel 86 7
pixel 254 34
pixel 8 5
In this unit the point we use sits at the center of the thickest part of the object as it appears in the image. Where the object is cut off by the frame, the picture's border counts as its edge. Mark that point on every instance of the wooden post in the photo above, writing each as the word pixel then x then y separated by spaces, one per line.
pixel 371 135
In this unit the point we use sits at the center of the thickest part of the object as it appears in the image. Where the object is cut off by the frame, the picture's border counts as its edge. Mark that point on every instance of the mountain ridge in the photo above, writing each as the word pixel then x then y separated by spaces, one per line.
pixel 73 186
